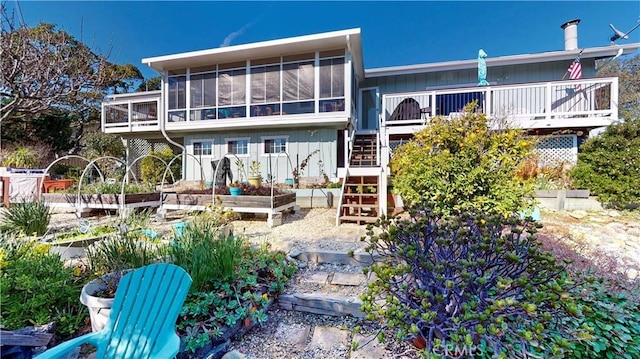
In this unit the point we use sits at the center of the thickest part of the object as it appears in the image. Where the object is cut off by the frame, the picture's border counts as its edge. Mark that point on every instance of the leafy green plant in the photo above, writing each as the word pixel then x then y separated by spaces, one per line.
pixel 205 253
pixel 230 301
pixel 609 165
pixel 118 253
pixel 27 218
pixel 152 169
pixel 37 288
pixel 468 281
pixel 254 169
pixel 21 157
pixel 460 163
pixel 610 325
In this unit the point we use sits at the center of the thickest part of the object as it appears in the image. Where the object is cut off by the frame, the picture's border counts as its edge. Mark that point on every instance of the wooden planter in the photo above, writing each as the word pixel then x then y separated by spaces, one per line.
pixel 240 204
pixel 57 185
pixel 102 201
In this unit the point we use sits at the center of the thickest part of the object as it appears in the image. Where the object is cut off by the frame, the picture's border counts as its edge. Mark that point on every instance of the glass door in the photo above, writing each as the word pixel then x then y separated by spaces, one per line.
pixel 369 109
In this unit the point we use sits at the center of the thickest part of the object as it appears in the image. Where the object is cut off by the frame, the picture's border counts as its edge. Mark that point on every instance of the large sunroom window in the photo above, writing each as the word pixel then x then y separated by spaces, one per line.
pixel 265 90
pixel 177 98
pixel 332 85
pixel 298 88
pixel 203 96
pixel 232 93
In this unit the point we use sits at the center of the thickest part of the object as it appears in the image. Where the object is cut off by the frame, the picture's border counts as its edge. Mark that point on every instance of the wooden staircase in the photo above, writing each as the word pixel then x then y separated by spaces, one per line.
pixel 360 198
pixel 365 151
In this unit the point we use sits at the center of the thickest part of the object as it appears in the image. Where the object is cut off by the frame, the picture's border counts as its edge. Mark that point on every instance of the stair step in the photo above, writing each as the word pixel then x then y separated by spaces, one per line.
pixel 322 303
pixel 367 219
pixel 347 205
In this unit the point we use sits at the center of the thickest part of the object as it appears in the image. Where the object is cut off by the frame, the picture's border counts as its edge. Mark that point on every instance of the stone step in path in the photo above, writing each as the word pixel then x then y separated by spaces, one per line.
pixel 328 283
pixel 317 315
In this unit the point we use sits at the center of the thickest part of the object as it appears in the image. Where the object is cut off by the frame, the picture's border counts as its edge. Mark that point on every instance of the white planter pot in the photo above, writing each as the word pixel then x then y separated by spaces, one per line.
pixel 99 308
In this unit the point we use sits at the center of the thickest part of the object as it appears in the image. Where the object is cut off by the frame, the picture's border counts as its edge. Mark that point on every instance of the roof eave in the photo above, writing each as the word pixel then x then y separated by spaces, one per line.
pixel 594 52
pixel 263 49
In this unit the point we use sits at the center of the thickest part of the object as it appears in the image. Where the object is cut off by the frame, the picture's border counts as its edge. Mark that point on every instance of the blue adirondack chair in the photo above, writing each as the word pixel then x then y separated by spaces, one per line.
pixel 143 317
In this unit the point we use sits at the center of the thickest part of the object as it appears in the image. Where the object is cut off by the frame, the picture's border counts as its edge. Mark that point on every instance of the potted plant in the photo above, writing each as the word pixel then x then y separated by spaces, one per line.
pixel 109 260
pixel 255 178
pixel 235 189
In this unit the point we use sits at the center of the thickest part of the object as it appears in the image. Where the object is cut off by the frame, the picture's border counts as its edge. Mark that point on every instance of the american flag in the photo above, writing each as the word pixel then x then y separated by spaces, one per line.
pixel 575 71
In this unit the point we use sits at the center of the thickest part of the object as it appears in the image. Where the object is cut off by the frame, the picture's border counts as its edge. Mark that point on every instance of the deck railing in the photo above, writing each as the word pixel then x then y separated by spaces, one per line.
pixel 131 114
pixel 534 101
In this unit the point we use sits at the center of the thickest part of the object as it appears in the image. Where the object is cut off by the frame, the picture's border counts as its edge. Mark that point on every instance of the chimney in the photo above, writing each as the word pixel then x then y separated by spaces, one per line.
pixel 571 34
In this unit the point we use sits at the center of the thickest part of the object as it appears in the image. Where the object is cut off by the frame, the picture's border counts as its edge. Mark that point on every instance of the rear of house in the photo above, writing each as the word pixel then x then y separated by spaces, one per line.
pixel 285 101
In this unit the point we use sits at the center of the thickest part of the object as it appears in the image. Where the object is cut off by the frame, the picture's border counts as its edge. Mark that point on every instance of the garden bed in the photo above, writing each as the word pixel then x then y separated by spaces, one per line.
pixel 271 206
pixel 101 201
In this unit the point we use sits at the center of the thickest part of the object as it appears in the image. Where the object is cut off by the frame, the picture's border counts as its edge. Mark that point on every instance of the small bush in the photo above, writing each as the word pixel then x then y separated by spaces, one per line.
pixel 610 324
pixel 28 218
pixel 206 254
pixel 468 281
pixel 459 164
pixel 121 251
pixel 609 165
pixel 36 288
pixel 152 169
pixel 21 157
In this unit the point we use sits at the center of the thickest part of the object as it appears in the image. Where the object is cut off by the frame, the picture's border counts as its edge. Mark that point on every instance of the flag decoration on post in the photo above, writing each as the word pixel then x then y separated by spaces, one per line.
pixel 575 70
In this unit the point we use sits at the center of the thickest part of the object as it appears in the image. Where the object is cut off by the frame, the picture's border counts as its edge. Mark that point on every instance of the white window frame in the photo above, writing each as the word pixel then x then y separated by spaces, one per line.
pixel 231 139
pixel 193 147
pixel 264 153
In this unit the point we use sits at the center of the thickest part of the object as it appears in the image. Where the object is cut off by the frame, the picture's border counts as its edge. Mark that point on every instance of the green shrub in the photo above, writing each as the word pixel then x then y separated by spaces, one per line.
pixel 470 281
pixel 121 251
pixel 21 157
pixel 610 325
pixel 460 164
pixel 230 301
pixel 28 218
pixel 609 164
pixel 37 288
pixel 152 169
pixel 206 254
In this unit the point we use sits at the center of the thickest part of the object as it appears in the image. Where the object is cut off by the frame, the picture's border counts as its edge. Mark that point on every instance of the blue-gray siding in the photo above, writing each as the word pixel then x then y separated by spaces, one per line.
pixel 299 145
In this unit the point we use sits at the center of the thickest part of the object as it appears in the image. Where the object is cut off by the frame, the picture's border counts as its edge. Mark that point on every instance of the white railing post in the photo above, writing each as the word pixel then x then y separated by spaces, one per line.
pixel 129 114
pixel 547 101
pixel 487 103
pixel 614 98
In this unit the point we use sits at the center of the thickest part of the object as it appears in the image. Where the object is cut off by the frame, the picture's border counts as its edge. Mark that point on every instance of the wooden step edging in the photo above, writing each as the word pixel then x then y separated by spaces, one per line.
pixel 322 303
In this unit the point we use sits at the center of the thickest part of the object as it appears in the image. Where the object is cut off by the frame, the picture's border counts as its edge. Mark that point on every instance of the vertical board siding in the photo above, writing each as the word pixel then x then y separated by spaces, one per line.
pixel 499 75
pixel 300 144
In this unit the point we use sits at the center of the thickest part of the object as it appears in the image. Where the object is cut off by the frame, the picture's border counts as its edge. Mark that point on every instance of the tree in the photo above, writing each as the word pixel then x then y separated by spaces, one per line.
pixel 45 71
pixel 628 73
pixel 151 84
pixel 460 164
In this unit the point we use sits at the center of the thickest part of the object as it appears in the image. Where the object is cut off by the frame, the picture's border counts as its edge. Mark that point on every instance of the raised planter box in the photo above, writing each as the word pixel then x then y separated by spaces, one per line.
pixel 567 200
pixel 57 185
pixel 240 204
pixel 71 248
pixel 569 193
pixel 102 201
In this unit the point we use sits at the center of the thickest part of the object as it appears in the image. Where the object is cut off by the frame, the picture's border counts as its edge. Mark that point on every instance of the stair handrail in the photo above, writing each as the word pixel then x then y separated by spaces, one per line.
pixel 352 136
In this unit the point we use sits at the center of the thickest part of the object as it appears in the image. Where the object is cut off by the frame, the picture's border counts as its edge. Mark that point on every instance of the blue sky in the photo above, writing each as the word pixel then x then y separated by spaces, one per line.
pixel 393 33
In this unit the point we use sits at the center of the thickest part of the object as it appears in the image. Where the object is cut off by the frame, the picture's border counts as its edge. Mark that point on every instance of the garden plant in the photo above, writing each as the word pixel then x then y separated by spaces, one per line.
pixel 459 164
pixel 476 282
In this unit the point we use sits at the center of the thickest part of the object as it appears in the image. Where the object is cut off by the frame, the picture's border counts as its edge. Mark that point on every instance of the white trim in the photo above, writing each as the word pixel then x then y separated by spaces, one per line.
pixel 230 139
pixel 262 152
